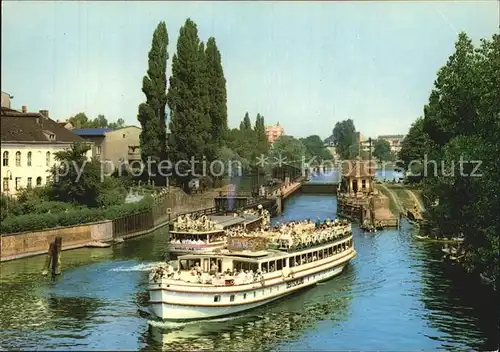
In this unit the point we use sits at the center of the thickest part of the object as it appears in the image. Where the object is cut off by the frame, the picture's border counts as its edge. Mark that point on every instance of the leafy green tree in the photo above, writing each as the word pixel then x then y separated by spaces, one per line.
pixel 246 124
pixel 217 93
pixel 382 150
pixel 262 143
pixel 344 135
pixel 190 124
pixel 151 114
pixel 462 121
pixel 414 147
pixel 80 120
pixel 315 147
pixel 120 123
pixel 70 184
pixel 288 149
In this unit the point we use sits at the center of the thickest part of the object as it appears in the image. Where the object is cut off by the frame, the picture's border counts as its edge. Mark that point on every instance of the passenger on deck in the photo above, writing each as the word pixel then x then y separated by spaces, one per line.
pixel 197 267
pixel 213 268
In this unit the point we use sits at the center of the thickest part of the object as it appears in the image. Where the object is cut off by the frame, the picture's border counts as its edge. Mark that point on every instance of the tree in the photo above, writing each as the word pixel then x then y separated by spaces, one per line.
pixel 217 93
pixel 70 186
pixel 288 150
pixel 246 124
pixel 462 121
pixel 100 122
pixel 120 123
pixel 80 120
pixel 151 114
pixel 382 150
pixel 344 135
pixel 262 143
pixel 316 148
pixel 414 147
pixel 190 124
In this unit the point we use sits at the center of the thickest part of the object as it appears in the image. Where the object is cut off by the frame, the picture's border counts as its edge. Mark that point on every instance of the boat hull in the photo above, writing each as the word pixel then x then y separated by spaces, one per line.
pixel 262 295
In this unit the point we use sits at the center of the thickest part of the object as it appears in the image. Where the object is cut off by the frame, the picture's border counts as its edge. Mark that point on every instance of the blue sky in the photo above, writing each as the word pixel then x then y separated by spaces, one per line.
pixel 304 64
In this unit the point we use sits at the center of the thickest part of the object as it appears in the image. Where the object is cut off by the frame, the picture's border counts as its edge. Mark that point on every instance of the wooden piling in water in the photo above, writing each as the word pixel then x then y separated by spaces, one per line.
pixel 56 256
pixel 48 259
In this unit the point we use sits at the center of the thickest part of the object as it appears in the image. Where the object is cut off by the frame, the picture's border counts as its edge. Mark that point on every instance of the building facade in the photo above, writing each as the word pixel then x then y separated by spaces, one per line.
pixel 394 141
pixel 115 148
pixel 357 176
pixel 29 142
pixel 274 132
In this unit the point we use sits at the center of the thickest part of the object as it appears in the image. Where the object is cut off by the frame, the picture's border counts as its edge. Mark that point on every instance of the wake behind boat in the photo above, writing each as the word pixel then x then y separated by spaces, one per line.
pixel 255 269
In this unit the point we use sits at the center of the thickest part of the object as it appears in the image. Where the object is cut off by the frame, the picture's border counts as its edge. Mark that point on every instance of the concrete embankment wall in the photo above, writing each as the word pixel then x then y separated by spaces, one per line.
pixel 24 244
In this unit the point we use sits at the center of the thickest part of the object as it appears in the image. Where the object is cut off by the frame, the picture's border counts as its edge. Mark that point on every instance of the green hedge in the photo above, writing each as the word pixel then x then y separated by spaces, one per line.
pixel 34 222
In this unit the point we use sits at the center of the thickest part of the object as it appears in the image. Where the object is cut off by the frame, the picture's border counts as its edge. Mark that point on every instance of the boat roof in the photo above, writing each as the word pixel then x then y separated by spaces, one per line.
pixel 228 220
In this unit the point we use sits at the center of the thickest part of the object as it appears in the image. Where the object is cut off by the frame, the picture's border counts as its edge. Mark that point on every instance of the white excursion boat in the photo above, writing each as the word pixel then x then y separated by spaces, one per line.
pixel 254 270
pixel 209 233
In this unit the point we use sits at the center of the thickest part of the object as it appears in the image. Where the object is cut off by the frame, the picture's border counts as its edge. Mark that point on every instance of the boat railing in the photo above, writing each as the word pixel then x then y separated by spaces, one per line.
pixel 298 248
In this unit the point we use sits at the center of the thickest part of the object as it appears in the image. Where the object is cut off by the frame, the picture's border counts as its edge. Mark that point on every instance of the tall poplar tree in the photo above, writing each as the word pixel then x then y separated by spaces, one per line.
pixel 153 138
pixel 260 136
pixel 217 93
pixel 187 99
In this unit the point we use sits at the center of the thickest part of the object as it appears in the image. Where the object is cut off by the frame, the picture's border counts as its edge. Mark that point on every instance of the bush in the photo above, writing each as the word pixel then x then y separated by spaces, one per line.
pixel 75 216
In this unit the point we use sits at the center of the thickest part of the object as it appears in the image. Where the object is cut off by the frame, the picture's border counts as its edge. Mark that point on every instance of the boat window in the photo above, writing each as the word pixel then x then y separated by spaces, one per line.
pixel 279 264
pixel 231 298
pixel 244 296
pixel 264 267
pixel 330 250
pixel 254 294
pixel 292 262
pixel 272 266
pixel 217 298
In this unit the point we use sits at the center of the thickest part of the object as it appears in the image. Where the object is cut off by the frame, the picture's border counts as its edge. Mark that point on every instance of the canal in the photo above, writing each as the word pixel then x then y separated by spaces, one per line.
pixel 396 295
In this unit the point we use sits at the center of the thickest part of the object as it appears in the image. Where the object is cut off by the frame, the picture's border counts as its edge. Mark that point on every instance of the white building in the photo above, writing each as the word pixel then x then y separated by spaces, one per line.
pixel 394 141
pixel 28 144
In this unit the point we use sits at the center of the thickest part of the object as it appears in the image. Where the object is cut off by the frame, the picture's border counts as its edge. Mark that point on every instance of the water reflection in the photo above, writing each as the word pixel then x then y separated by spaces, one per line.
pixel 263 328
pixel 456 302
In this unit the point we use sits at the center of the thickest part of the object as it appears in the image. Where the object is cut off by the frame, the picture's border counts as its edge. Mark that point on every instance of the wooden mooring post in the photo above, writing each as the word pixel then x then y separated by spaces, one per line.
pixel 53 260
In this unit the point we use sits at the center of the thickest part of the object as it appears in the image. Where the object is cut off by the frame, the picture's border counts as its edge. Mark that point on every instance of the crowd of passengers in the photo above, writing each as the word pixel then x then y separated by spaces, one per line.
pixel 301 234
pixel 198 240
pixel 192 222
pixel 195 274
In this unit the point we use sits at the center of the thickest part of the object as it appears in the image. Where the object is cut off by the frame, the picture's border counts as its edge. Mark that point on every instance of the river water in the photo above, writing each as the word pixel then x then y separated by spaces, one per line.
pixel 397 294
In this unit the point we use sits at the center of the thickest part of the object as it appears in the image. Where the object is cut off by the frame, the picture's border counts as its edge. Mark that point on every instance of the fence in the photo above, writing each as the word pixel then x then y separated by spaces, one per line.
pixel 133 223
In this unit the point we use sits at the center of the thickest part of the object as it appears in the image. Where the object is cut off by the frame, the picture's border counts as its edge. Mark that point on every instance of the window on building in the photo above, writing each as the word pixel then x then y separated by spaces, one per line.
pixel 29 184
pixel 47 159
pixel 29 158
pixel 98 149
pixel 5 158
pixel 363 184
pixel 18 158
pixel 38 181
pixel 18 183
pixel 5 185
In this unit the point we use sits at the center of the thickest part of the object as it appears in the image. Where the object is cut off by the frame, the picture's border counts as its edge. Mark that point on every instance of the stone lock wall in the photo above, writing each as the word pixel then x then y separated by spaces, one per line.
pixel 27 243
